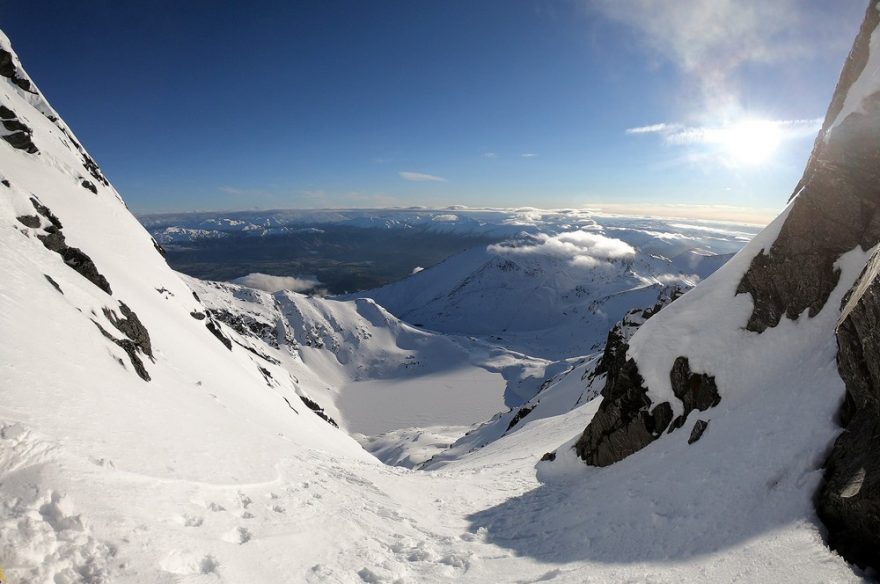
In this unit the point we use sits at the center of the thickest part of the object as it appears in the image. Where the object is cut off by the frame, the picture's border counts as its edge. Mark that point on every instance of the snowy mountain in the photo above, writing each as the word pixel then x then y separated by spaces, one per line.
pixel 371 372
pixel 576 285
pixel 157 428
pixel 736 381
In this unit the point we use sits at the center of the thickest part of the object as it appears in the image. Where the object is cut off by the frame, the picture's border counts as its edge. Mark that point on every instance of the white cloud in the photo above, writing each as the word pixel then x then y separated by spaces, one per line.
pixel 580 248
pixel 489 155
pixel 744 142
pixel 682 135
pixel 529 155
pixel 652 129
pixel 420 177
pixel 711 40
pixel 269 283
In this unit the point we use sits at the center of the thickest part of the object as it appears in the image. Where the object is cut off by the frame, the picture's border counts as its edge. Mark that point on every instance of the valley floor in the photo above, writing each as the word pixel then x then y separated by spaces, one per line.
pixel 319 518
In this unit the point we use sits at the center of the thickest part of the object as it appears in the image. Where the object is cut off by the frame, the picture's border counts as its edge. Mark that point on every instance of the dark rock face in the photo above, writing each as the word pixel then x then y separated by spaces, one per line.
pixel 45 212
pixel 7 69
pixel 697 431
pixel 130 325
pixel 159 248
pixel 31 221
pixel 246 325
pixel 313 405
pixel 89 186
pixel 20 133
pixel 215 330
pixel 53 282
pixel 848 502
pixel 53 239
pixel 696 391
pixel 520 414
pixel 76 259
pixel 836 206
pixel 131 350
pixel 627 420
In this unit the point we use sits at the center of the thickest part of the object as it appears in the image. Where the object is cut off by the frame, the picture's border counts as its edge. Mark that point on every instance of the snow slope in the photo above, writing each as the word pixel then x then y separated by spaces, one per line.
pixel 217 470
pixel 576 285
pixel 372 372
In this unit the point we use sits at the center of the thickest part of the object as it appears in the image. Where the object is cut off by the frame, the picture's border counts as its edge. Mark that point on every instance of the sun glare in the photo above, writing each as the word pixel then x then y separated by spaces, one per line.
pixel 750 142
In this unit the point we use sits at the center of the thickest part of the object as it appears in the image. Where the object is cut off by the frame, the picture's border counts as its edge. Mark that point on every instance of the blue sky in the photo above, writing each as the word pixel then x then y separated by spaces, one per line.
pixel 234 105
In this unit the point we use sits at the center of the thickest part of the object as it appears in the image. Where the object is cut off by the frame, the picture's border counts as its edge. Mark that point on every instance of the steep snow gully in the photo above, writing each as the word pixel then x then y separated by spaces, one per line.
pixel 156 428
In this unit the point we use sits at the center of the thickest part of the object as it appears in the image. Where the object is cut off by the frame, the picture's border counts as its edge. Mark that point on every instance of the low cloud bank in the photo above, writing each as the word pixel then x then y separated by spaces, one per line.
pixel 580 248
pixel 269 283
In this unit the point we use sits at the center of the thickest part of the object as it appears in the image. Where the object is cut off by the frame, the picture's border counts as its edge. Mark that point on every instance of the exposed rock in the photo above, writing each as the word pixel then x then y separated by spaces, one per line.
pixel 76 259
pixel 45 212
pixel 215 330
pixel 54 240
pixel 22 141
pixel 131 349
pixel 31 221
pixel 313 405
pixel 848 502
pixel 158 247
pixel 20 136
pixel 627 420
pixel 247 325
pixel 92 167
pixel 7 69
pixel 197 315
pixel 520 414
pixel 835 207
pixel 16 126
pixel 696 391
pixel 697 431
pixel 53 282
pixel 5 183
pixel 89 186
pixel 548 456
pixel 131 326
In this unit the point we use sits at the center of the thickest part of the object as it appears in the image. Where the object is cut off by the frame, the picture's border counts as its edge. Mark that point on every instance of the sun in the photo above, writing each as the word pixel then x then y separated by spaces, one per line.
pixel 750 142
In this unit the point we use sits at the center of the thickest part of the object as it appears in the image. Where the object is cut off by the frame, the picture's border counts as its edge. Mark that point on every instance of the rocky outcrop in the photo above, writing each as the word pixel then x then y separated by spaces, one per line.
pixel 697 391
pixel 8 69
pixel 131 326
pixel 319 411
pixel 835 207
pixel 848 502
pixel 215 330
pixel 53 239
pixel 697 431
pixel 627 420
pixel 17 133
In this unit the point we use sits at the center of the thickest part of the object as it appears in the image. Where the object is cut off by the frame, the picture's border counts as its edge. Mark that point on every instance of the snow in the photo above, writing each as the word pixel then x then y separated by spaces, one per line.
pixel 449 396
pixel 867 84
pixel 217 471
pixel 577 284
